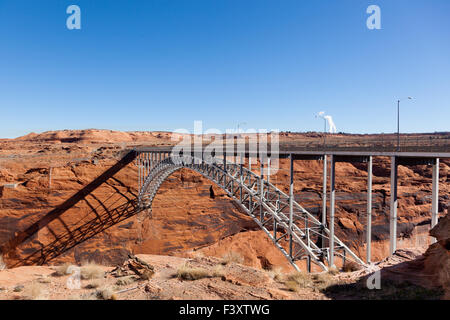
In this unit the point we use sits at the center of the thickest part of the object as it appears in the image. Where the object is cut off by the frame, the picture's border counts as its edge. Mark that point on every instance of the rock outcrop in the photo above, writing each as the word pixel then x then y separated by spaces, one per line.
pixel 437 257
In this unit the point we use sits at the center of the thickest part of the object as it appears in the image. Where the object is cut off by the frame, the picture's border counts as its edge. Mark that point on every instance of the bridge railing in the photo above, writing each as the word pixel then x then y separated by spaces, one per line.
pixel 382 143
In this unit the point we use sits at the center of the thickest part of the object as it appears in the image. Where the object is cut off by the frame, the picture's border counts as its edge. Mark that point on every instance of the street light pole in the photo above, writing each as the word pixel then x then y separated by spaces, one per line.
pixel 398 123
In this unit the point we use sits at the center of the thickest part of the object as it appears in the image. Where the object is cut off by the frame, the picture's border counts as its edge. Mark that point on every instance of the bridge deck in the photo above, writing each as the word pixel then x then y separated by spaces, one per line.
pixel 285 153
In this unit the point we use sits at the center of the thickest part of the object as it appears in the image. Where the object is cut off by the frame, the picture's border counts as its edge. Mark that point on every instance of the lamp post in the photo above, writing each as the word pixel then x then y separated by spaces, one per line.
pixel 239 124
pixel 322 115
pixel 398 123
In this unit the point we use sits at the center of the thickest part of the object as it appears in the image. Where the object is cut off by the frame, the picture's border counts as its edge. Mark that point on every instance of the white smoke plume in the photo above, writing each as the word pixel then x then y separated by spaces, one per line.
pixel 329 119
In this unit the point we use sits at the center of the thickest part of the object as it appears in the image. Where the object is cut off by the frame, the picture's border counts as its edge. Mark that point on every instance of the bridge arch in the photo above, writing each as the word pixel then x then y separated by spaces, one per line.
pixel 293 230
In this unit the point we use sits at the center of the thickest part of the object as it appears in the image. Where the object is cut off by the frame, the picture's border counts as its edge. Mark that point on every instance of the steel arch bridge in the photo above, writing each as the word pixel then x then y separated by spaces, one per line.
pixel 293 230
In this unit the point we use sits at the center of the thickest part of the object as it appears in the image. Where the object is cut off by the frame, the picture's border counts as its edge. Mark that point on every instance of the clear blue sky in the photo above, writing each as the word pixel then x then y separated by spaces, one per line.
pixel 161 64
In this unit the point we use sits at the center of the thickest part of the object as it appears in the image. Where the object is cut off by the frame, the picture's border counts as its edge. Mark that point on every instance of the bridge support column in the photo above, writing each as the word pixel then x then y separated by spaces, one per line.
pixel 147 164
pixel 369 211
pixel 291 201
pixel 324 197
pixel 261 188
pixel 152 160
pixel 225 170
pixel 435 196
pixel 324 192
pixel 268 169
pixel 139 171
pixel 332 209
pixel 393 207
pixel 241 164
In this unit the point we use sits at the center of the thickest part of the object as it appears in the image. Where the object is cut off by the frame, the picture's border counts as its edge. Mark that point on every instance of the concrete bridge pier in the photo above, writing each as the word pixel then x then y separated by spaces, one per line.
pixel 332 209
pixel 411 161
pixel 435 196
pixel 369 211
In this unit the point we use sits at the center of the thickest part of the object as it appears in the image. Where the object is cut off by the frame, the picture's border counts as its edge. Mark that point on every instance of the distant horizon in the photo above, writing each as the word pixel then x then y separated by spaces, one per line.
pixel 243 132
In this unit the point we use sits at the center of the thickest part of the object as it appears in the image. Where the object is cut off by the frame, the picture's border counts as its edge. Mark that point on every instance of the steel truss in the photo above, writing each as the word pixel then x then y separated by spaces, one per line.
pixel 293 230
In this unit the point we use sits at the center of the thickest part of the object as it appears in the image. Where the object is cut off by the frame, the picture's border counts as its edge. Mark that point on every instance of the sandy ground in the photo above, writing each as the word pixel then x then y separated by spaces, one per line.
pixel 231 281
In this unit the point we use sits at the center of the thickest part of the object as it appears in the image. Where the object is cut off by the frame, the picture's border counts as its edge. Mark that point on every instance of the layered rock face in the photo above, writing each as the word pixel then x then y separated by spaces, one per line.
pixel 37 176
pixel 102 227
pixel 437 257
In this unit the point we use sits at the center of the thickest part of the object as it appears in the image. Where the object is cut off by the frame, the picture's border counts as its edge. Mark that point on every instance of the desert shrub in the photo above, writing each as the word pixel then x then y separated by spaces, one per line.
pixel 218 271
pixel 317 281
pixel 302 279
pixel 106 294
pixel 333 271
pixel 322 281
pixel 291 285
pixel 124 281
pixel 62 270
pixel 146 275
pixel 91 271
pixel 277 274
pixel 232 257
pixel 186 272
pixel 93 285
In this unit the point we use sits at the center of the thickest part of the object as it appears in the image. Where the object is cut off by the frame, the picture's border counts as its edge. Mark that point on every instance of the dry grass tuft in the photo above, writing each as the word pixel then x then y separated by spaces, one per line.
pixel 291 285
pixel 62 270
pixel 277 274
pixel 323 280
pixel 303 280
pixel 146 275
pixel 186 272
pixel 333 271
pixel 232 257
pixel 93 285
pixel 106 294
pixel 91 271
pixel 218 271
pixel 124 281
pixel 317 281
